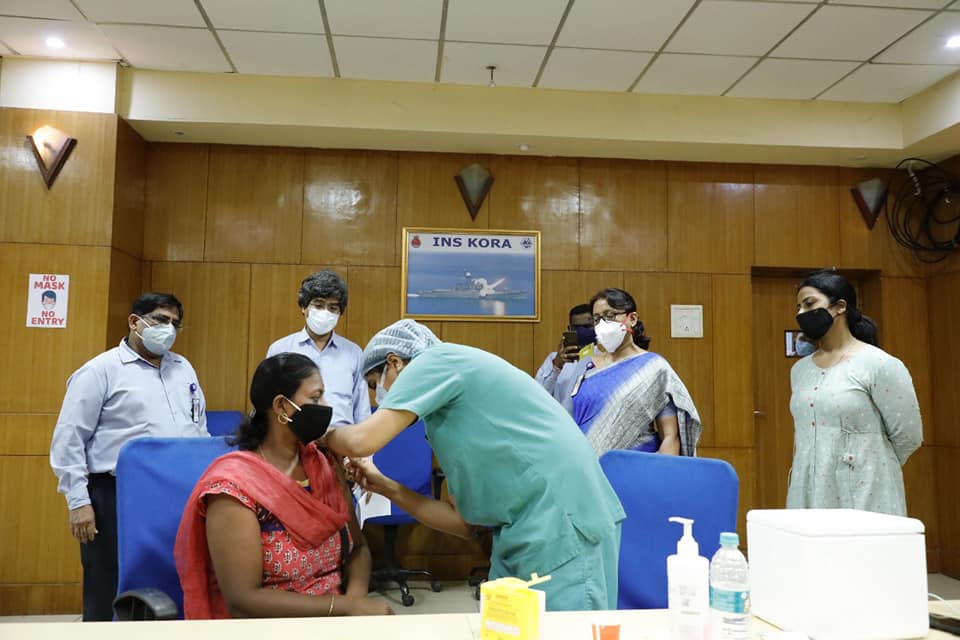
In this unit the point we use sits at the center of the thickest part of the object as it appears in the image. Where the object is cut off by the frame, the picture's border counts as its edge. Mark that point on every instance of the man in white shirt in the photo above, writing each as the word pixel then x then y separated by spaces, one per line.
pixel 322 298
pixel 139 388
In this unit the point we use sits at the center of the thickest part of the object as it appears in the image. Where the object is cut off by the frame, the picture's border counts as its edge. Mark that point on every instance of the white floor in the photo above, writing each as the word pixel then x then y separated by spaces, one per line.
pixel 457 597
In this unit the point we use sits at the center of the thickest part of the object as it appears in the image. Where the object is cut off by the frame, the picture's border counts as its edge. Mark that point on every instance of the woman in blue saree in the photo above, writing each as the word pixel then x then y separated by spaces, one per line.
pixel 628 397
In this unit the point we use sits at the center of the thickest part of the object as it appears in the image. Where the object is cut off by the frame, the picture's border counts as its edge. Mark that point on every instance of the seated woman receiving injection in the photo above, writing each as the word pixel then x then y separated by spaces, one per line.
pixel 267 531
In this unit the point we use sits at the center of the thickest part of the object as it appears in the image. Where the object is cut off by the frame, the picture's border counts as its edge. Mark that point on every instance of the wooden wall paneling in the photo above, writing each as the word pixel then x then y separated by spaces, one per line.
pixel 559 292
pixel 175 215
pixel 743 461
pixel 254 205
pixel 512 341
pixel 922 488
pixel 275 312
pixel 904 328
pixel 797 216
pixel 733 361
pixel 623 215
pixel 860 247
pixel 948 509
pixel 350 207
pixel 374 301
pixel 944 310
pixel 41 528
pixel 129 194
pixel 539 194
pixel 710 217
pixel 216 317
pixel 36 362
pixel 692 359
pixel 774 306
pixel 26 434
pixel 427 195
pixel 78 209
pixel 126 281
pixel 40 599
pixel 146 276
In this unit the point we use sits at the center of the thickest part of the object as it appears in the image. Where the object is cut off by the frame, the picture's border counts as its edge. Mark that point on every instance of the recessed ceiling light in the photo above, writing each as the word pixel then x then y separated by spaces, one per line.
pixel 55 43
pixel 953 42
pixel 523 146
pixel 860 157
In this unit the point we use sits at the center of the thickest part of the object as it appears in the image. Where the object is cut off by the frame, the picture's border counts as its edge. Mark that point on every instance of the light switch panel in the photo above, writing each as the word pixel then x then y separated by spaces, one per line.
pixel 686 321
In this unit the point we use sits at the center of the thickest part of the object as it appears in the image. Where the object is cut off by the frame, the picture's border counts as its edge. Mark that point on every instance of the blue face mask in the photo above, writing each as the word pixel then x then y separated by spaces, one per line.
pixel 585 335
pixel 805 348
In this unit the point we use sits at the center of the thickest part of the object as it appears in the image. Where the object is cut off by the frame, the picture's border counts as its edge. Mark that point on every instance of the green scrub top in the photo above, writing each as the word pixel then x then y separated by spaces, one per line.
pixel 513 457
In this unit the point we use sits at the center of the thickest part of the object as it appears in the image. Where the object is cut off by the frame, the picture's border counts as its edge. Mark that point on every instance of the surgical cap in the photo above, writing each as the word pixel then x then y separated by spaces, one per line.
pixel 405 338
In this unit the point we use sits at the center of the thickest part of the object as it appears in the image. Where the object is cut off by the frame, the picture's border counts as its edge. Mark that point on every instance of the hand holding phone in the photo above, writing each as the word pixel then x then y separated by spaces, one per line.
pixel 568 350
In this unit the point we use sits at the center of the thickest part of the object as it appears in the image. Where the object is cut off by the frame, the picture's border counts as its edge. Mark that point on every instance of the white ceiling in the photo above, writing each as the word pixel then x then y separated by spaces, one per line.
pixel 855 50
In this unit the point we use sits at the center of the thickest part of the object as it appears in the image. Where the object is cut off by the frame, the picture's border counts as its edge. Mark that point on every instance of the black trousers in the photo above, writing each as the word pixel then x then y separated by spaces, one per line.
pixel 99 558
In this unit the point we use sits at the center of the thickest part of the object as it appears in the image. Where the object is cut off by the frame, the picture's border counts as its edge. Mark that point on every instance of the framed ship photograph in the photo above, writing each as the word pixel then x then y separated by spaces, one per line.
pixel 457 274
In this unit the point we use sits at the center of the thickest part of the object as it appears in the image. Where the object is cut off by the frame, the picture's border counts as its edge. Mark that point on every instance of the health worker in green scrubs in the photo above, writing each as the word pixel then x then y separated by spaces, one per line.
pixel 514 459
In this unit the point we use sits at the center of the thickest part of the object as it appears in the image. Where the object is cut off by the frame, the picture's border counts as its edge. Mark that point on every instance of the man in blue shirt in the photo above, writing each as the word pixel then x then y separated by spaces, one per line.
pixel 322 298
pixel 560 369
pixel 139 388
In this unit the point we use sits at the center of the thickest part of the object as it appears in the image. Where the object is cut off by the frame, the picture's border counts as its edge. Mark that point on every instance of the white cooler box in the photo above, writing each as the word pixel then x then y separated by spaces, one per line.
pixel 838 573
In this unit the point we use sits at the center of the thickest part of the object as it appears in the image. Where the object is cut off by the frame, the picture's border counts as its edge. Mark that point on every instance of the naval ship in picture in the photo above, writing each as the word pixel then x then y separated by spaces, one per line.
pixel 472 288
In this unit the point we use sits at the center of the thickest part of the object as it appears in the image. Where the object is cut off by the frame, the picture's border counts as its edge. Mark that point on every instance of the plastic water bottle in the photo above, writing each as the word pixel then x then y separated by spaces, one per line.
pixel 729 591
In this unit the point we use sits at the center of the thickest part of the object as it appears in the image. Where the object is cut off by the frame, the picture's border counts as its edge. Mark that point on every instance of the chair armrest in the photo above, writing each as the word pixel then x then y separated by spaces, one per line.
pixel 144 604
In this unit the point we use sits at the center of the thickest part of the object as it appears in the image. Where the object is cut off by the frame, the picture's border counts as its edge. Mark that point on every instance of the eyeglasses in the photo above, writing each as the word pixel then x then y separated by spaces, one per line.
pixel 609 316
pixel 164 320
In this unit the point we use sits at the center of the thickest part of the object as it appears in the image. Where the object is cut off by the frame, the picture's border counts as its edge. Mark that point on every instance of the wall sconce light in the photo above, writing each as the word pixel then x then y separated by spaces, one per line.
pixel 474 183
pixel 870 196
pixel 51 147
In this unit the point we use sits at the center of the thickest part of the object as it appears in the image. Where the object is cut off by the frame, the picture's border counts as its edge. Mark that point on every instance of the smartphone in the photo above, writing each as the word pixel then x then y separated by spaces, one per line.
pixel 945 623
pixel 570 339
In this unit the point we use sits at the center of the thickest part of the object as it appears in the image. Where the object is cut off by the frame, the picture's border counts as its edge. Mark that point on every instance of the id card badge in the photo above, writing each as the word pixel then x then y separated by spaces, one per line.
pixel 576 386
pixel 194 403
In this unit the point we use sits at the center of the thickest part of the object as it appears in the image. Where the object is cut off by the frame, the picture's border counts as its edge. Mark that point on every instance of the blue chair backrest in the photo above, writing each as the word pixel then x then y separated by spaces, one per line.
pixel 408 459
pixel 222 423
pixel 155 476
pixel 653 487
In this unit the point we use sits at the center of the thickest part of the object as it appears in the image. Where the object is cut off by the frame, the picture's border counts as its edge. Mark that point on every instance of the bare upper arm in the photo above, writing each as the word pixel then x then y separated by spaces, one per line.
pixel 236 550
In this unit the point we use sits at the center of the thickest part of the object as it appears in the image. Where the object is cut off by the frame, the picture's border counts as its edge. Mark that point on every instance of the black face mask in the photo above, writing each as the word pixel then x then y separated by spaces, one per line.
pixel 310 422
pixel 816 323
pixel 585 335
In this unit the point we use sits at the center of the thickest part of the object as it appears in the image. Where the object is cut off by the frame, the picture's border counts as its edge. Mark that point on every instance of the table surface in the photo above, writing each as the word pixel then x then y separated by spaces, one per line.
pixel 650 624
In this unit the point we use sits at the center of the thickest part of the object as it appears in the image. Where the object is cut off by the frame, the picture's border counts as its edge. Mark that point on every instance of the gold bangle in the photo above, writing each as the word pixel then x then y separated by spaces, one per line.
pixel 330 611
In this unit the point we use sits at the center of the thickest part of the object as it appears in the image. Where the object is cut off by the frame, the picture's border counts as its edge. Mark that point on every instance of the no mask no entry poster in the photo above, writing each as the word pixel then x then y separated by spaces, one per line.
pixel 47 295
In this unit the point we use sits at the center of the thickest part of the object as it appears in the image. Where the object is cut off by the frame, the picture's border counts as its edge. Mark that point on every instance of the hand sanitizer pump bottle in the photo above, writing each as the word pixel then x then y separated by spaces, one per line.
pixel 688 584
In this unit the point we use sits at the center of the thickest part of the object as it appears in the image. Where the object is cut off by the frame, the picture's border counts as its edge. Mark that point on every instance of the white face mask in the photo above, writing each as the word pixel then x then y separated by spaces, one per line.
pixel 321 321
pixel 610 334
pixel 381 393
pixel 158 339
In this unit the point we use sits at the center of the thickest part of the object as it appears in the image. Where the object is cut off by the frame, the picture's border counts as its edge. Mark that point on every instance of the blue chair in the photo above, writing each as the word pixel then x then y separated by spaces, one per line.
pixel 652 488
pixel 407 459
pixel 223 423
pixel 155 476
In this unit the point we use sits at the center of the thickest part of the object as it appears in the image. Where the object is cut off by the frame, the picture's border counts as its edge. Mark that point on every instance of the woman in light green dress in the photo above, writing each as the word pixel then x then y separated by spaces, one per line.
pixel 855 411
